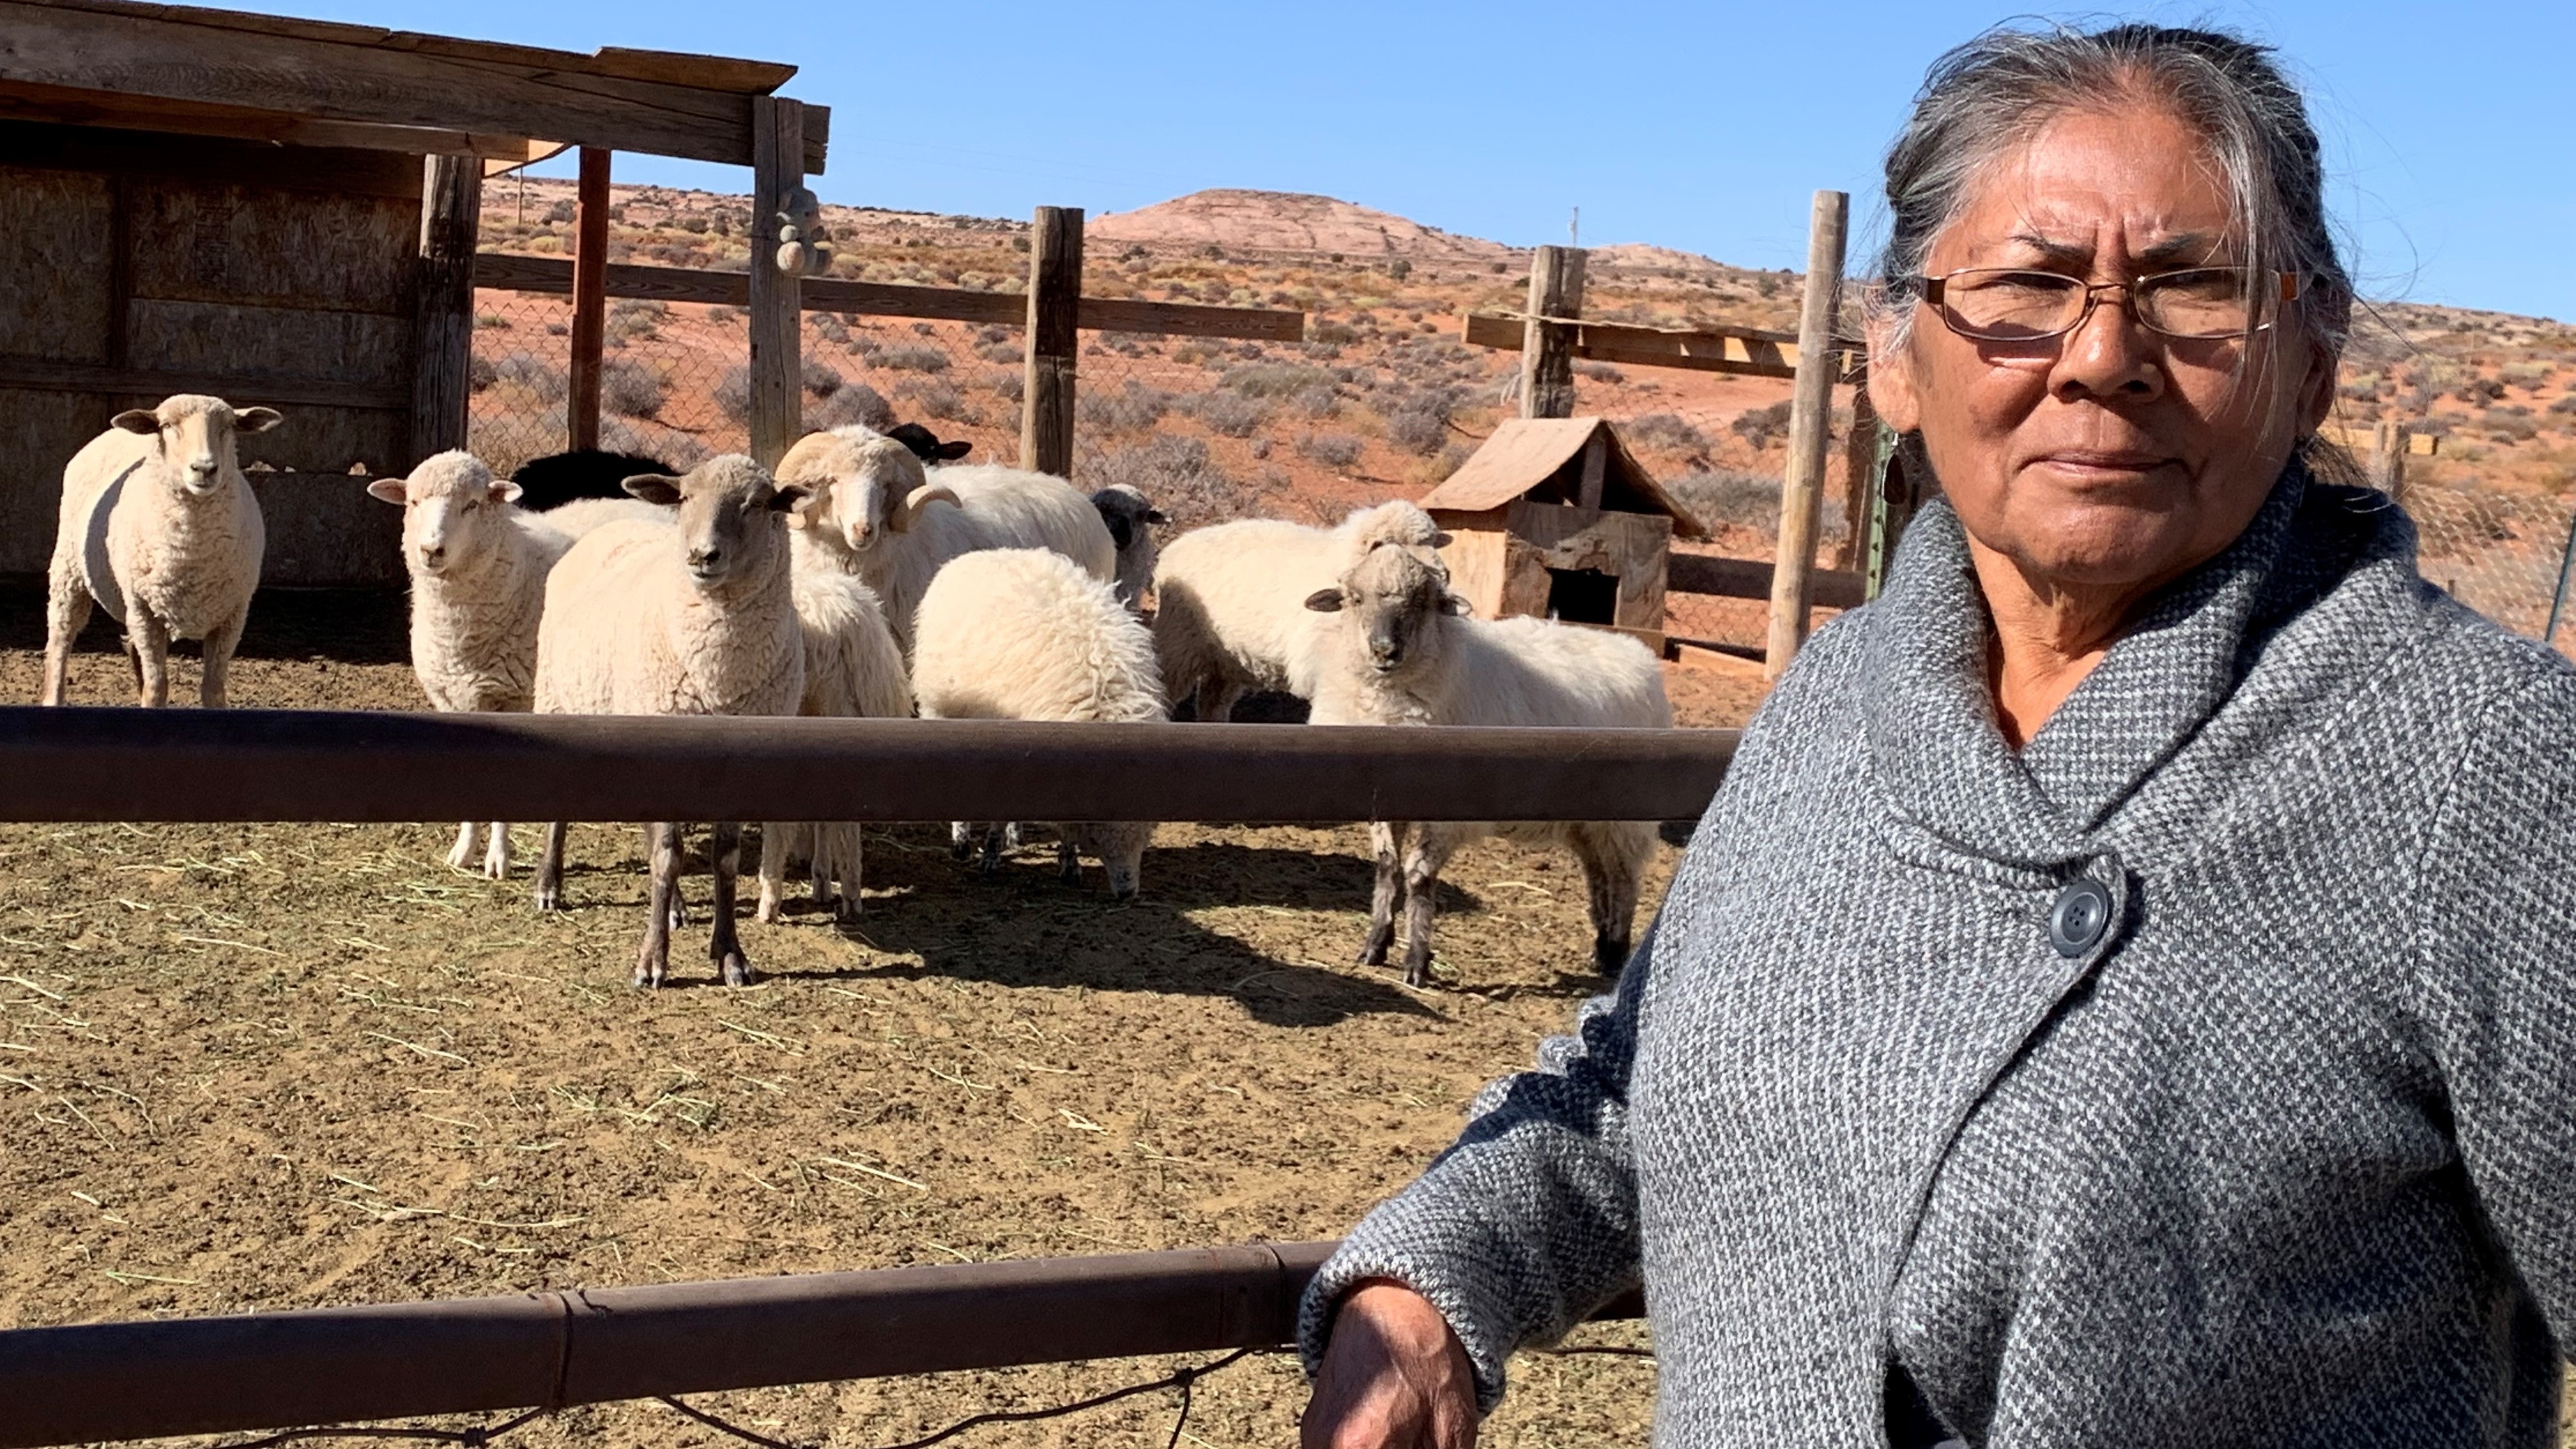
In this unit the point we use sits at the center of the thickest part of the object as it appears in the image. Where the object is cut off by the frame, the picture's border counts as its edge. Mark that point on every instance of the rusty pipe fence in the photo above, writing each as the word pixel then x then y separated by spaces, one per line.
pixel 89 1382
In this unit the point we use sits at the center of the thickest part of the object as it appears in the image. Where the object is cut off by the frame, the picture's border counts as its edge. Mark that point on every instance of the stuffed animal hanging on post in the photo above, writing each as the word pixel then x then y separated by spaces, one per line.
pixel 804 247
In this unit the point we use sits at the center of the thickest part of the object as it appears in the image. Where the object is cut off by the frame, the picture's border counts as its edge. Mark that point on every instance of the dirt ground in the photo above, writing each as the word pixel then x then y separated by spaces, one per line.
pixel 276 1066
pixel 247 1067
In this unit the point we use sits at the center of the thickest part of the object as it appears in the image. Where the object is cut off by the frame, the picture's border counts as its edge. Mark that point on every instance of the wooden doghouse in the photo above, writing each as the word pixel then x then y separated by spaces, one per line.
pixel 1553 518
pixel 283 212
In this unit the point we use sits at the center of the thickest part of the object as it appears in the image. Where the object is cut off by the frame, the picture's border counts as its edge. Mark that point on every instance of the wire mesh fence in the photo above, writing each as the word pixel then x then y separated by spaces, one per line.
pixel 2502 554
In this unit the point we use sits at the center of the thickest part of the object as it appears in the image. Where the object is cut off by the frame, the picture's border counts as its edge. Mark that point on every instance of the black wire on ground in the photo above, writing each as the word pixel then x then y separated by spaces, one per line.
pixel 474 1438
pixel 1184 1379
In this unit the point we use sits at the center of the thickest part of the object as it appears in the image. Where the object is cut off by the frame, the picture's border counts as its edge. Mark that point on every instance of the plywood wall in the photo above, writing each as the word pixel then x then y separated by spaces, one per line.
pixel 133 266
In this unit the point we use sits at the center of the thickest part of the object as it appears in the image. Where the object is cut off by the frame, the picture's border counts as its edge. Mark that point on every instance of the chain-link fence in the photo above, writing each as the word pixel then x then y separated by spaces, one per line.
pixel 2501 554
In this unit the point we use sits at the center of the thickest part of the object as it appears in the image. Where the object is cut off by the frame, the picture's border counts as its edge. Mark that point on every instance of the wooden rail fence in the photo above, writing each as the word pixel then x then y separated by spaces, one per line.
pixel 89 1382
pixel 132 1380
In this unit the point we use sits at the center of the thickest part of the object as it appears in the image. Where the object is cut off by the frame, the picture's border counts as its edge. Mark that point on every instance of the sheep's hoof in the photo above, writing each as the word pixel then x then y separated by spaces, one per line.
pixel 1417 971
pixel 769 909
pixel 649 971
pixel 1609 957
pixel 1373 950
pixel 496 870
pixel 959 847
pixel 549 898
pixel 735 970
pixel 847 910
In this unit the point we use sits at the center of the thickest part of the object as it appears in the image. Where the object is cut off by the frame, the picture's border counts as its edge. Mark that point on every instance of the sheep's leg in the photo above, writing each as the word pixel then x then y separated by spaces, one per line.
pixel 1386 844
pixel 1431 850
pixel 221 641
pixel 550 869
pixel 992 862
pixel 1217 699
pixel 151 644
pixel 774 845
pixel 961 839
pixel 496 857
pixel 724 943
pixel 848 849
pixel 1068 860
pixel 1611 866
pixel 469 839
pixel 653 961
pixel 67 606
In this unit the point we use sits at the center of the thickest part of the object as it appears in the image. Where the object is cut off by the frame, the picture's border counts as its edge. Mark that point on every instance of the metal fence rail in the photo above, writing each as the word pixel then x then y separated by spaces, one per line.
pixel 236 765
pixel 398 1360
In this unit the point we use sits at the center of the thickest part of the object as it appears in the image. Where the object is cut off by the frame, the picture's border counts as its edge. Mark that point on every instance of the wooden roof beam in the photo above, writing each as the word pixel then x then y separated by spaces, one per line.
pixel 360 75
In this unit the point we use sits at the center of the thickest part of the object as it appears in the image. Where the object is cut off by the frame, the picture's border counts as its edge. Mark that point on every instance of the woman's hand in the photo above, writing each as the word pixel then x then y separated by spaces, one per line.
pixel 1393 1377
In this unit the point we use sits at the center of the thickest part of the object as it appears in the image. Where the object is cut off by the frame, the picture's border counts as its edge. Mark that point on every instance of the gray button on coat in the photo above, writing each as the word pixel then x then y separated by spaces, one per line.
pixel 2284 1154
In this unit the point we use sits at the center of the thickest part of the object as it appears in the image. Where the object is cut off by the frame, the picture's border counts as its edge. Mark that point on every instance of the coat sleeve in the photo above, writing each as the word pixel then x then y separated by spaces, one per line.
pixel 2497 949
pixel 1529 1221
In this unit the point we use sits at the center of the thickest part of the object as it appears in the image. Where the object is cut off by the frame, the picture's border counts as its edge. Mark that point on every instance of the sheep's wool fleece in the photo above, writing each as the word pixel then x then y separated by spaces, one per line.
pixel 2285 1155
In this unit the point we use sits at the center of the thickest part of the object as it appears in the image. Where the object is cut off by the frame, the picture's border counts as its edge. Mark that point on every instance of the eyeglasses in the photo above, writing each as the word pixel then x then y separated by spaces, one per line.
pixel 2001 304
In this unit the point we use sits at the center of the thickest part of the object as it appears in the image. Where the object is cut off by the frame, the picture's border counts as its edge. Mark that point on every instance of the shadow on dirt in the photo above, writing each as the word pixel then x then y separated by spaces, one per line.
pixel 345 626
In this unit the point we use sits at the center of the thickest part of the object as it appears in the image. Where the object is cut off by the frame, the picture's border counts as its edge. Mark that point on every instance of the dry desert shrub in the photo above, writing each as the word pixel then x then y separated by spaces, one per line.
pixel 1178 475
pixel 1007 384
pixel 1761 427
pixel 1337 451
pixel 1727 495
pixel 1276 379
pixel 820 379
pixel 913 358
pixel 630 389
pixel 1230 414
pixel 936 399
pixel 1599 372
pixel 851 402
pixel 543 380
pixel 1666 431
pixel 1131 409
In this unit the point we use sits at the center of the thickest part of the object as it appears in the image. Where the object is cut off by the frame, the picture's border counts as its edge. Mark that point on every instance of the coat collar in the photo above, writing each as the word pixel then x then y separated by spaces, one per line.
pixel 1931 725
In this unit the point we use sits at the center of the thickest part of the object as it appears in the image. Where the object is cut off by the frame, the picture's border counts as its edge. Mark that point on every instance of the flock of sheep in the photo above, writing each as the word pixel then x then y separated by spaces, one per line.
pixel 869 577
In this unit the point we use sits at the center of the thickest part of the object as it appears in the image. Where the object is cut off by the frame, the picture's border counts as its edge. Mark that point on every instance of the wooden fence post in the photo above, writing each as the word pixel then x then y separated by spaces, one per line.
pixel 1547 348
pixel 2389 442
pixel 451 212
pixel 1055 305
pixel 589 298
pixel 777 304
pixel 1860 478
pixel 1810 420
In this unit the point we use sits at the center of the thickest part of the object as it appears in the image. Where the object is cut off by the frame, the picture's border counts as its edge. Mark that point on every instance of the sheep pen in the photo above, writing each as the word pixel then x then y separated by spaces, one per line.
pixel 286 1065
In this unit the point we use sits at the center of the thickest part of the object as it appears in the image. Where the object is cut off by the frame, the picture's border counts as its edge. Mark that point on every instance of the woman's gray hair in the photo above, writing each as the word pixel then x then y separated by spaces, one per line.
pixel 2001 88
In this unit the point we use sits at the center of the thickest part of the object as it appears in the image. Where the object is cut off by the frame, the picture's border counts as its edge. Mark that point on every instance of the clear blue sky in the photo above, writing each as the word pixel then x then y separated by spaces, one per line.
pixel 2450 133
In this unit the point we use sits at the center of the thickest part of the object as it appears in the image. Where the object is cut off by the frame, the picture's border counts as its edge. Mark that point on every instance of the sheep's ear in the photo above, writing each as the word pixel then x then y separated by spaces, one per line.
pixel 1454 604
pixel 791 499
pixel 1325 601
pixel 951 452
pixel 505 491
pixel 137 420
pixel 654 488
pixel 1156 515
pixel 919 499
pixel 391 490
pixel 256 420
pixel 1440 540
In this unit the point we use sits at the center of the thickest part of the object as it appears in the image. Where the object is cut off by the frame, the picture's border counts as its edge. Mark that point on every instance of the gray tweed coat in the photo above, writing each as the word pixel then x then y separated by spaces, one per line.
pixel 2284 1153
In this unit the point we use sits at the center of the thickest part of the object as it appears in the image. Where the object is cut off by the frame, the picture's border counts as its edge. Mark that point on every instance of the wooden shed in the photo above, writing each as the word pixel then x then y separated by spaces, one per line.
pixel 1553 517
pixel 283 212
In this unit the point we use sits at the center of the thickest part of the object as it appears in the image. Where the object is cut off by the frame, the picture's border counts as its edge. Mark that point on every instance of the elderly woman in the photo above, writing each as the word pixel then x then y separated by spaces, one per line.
pixel 2121 996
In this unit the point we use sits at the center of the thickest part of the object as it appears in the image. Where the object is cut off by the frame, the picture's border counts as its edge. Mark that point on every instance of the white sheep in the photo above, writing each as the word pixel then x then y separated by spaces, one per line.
pixel 1229 601
pixel 852 670
pixel 893 525
pixel 1023 633
pixel 478 565
pixel 1400 653
pixel 696 616
pixel 159 526
pixel 1130 517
